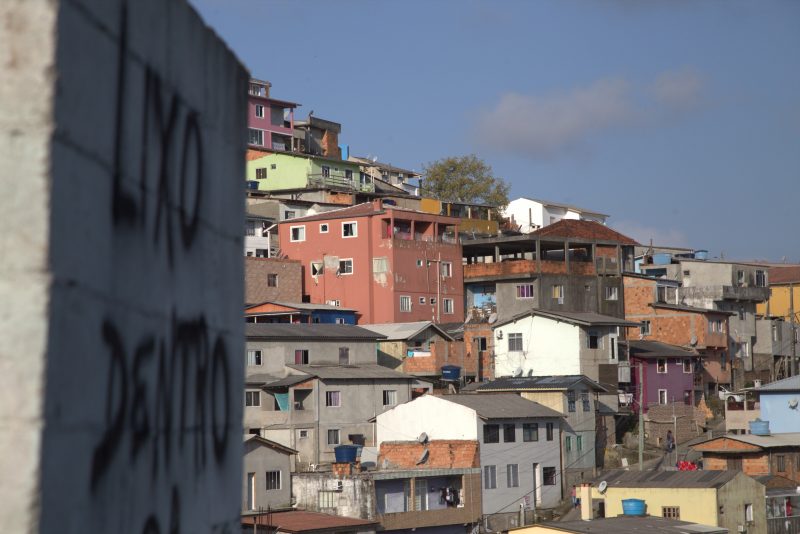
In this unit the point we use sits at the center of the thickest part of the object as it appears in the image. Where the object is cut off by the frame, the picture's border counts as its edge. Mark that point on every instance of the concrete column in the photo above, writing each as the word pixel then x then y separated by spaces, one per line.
pixel 585 495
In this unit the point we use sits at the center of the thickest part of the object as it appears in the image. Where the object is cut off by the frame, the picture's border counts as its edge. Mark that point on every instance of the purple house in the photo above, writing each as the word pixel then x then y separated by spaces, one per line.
pixel 270 122
pixel 669 372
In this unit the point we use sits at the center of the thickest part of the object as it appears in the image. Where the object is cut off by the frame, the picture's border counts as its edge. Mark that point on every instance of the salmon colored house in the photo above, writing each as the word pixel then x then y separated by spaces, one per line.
pixel 390 264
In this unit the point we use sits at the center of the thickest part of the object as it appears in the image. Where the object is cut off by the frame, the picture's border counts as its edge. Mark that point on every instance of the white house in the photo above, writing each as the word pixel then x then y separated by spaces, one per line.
pixel 545 343
pixel 530 214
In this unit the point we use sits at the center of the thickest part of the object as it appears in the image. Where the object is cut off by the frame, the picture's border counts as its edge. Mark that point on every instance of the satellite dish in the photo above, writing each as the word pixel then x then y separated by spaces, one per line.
pixel 793 403
pixel 423 438
pixel 693 341
pixel 518 371
pixel 424 457
pixel 530 372
pixel 602 487
pixel 492 318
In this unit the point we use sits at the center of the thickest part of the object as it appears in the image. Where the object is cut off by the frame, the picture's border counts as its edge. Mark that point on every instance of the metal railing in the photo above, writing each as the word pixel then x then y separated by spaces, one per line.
pixel 339 182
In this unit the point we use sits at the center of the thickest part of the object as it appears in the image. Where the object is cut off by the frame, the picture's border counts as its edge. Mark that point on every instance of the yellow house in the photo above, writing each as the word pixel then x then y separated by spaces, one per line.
pixel 728 499
pixel 784 285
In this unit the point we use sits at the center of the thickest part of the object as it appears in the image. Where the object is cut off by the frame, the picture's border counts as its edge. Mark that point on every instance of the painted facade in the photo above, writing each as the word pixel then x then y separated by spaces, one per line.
pixel 670 373
pixel 390 265
pixel 270 122
pixel 276 171
pixel 267 475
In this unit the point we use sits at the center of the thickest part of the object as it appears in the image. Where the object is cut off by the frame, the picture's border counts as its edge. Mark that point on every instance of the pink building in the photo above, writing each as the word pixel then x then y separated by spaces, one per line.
pixel 270 122
pixel 391 265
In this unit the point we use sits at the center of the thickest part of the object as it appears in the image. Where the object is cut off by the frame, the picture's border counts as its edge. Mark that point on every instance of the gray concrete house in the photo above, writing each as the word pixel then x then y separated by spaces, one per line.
pixel 267 480
pixel 519 440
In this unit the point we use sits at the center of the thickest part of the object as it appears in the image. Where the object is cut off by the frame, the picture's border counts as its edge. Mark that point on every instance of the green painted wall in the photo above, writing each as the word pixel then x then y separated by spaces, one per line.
pixel 295 171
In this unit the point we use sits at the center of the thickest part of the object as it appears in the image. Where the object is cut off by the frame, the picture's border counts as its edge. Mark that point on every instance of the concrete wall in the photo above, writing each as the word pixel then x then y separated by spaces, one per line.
pixel 355 494
pixel 435 416
pixel 697 505
pixel 276 354
pixel 775 409
pixel 258 459
pixel 122 379
pixel 731 500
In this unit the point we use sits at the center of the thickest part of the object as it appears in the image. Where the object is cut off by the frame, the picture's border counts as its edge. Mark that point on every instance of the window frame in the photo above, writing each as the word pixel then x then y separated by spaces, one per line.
pixel 351 224
pixel 250 132
pixel 258 357
pixel 252 398
pixel 256 109
pixel 509 429
pixel 598 343
pixel 557 293
pixel 324 228
pixel 662 369
pixel 300 238
pixel 612 293
pixel 671 512
pixel 331 396
pixel 344 355
pixel 517 339
pixel 666 397
pixel 337 434
pixel 645 328
pixel 571 400
pixel 525 291
pixel 489 482
pixel 530 431
pixel 550 428
pixel 691 366
pixel 261 173
pixel 448 306
pixel 304 357
pixel 275 478
pixel 343 267
pixel 491 433
pixel 549 476
pixel 512 475
pixel 585 401
pixel 405 299
pixel 446 269
pixel 272 279
pixel 389 397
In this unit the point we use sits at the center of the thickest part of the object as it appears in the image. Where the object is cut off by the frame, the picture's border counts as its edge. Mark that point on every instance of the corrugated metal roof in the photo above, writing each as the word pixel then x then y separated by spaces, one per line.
pixel 787 384
pixel 656 349
pixel 785 439
pixel 502 406
pixel 301 306
pixel 578 318
pixel 308 331
pixel 353 372
pixel 566 228
pixel 665 479
pixel 394 331
pixel 538 383
pixel 633 525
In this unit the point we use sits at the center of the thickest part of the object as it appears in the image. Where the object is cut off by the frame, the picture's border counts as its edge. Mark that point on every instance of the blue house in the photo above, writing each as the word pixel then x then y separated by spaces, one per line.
pixel 780 405
pixel 298 312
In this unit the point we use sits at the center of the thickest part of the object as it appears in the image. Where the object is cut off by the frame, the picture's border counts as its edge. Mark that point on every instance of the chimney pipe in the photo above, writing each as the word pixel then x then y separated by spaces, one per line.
pixel 585 494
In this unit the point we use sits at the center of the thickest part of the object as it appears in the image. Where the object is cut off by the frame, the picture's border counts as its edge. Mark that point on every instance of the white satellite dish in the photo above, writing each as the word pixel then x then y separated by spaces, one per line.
pixel 424 457
pixel 423 438
pixel 530 372
pixel 602 487
pixel 793 403
pixel 693 341
pixel 492 318
pixel 518 371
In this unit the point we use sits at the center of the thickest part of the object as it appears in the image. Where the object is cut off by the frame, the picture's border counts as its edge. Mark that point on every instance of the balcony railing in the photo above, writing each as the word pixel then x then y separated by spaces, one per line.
pixel 339 182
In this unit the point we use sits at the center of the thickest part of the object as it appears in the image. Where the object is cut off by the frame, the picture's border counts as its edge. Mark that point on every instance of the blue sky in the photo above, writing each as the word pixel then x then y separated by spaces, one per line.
pixel 679 118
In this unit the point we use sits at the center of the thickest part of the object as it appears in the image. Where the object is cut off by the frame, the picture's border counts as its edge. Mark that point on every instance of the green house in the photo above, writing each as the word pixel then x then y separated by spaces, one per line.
pixel 276 171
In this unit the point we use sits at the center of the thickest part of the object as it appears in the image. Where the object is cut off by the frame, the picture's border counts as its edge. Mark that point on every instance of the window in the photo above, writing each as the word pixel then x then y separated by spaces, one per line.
pixel 253 357
pixel 297 233
pixel 252 398
pixel 558 294
pixel 740 278
pixel 380 265
pixel 593 339
pixel 328 499
pixel 687 366
pixel 333 399
pixel 261 173
pixel 549 475
pixel 350 229
pixel 323 228
pixel 585 401
pixel 348 174
pixel 333 436
pixel 272 280
pixel 491 433
pixel 302 434
pixel 273 166
pixel 422 300
pixel 549 431
pixel 339 320
pixel 515 342
pixel 509 433
pixel 780 461
pixel 259 111
pixel 273 480
pixel 389 397
pixel 761 278
pixel 289 214
pixel 420 494
pixel 448 305
pixel 345 267
pixel 571 401
pixel 301 357
pixel 723 360
pixel 256 137
pixel 568 443
pixel 524 291
pixel 530 431
pixel 661 366
pixel 662 396
pixel 489 477
pixel 447 269
pixel 433 300
pixel 512 475
pixel 667 294
pixel 644 328
pixel 326 171
pixel 405 304
pixel 317 268
pixel 344 355
pixel 671 512
pixel 748 513
pixel 420 263
pixel 579 443
pixel 612 293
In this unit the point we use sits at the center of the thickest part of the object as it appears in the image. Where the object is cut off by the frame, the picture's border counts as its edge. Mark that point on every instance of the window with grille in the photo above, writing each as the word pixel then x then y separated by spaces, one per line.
pixel 261 173
pixel 571 401
pixel 671 512
pixel 585 401
pixel 405 304
pixel 515 342
pixel 273 480
pixel 328 499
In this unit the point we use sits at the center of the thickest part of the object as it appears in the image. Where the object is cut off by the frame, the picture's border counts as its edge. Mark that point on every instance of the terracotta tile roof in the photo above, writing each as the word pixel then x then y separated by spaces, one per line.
pixel 256 154
pixel 302 521
pixel 583 230
pixel 784 275
pixel 442 454
pixel 359 210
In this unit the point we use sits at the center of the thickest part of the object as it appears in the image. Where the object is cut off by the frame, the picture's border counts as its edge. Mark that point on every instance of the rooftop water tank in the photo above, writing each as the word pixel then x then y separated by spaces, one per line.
pixel 346 453
pixel 633 506
pixel 451 372
pixel 701 254
pixel 759 427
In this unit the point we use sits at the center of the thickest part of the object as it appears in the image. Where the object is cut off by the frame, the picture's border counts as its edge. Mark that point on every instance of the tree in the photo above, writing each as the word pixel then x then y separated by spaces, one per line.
pixel 465 179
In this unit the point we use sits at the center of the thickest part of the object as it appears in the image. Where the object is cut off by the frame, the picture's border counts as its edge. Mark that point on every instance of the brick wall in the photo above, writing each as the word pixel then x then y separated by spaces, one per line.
pixel 442 454
pixel 690 423
pixel 289 284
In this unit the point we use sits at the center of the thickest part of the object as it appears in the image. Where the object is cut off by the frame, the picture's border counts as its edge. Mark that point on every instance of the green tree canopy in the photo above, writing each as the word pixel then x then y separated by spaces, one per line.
pixel 466 179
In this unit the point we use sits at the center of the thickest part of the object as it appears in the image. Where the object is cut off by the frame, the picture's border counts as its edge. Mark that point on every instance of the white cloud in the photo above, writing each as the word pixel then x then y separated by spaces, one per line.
pixel 664 237
pixel 678 89
pixel 540 126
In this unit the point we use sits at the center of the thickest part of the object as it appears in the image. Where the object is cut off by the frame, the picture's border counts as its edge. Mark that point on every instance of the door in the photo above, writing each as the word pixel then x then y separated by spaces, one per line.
pixel 251 491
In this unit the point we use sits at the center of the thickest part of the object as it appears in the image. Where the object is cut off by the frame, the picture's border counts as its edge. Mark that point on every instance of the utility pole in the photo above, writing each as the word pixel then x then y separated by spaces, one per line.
pixel 794 328
pixel 641 418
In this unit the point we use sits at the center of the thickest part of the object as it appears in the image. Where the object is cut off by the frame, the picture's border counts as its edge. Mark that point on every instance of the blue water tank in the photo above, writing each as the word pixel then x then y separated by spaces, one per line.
pixel 701 254
pixel 759 427
pixel 633 506
pixel 662 258
pixel 346 453
pixel 252 184
pixel 451 372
